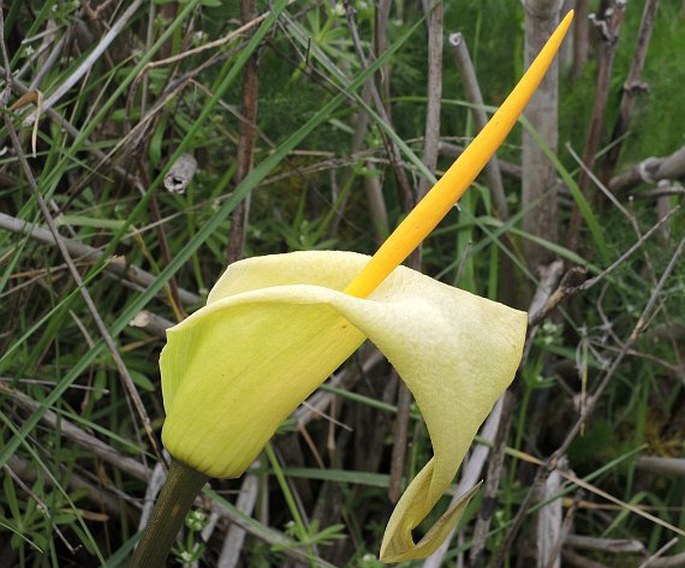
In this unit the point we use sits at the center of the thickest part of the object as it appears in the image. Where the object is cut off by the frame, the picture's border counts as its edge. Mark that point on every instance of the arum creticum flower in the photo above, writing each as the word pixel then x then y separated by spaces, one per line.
pixel 275 327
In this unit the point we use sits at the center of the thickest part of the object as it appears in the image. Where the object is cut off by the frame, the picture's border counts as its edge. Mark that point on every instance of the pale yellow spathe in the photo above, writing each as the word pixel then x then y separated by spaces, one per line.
pixel 275 327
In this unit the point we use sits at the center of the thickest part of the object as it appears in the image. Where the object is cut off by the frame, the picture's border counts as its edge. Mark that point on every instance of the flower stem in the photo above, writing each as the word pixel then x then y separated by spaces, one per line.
pixel 182 486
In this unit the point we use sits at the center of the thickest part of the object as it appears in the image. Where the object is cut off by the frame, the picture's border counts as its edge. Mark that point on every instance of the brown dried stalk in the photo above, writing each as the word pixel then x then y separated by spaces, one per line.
pixel 609 27
pixel 246 141
pixel 632 87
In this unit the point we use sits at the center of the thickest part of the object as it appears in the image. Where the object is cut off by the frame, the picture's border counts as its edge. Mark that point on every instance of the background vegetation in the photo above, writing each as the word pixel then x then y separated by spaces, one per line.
pixel 314 113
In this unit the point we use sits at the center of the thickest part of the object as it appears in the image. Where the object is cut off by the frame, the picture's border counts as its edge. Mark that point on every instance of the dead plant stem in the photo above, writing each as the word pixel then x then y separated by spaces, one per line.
pixel 609 28
pixel 591 403
pixel 246 141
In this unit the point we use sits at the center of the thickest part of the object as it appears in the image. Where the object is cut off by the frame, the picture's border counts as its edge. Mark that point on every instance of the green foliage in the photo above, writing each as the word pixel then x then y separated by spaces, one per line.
pixel 192 549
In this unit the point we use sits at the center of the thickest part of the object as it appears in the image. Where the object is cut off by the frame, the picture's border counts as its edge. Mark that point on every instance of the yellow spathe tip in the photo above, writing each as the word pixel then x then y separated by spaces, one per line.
pixel 445 193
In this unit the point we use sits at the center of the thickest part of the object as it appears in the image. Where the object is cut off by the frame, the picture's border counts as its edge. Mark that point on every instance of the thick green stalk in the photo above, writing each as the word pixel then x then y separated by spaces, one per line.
pixel 182 486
